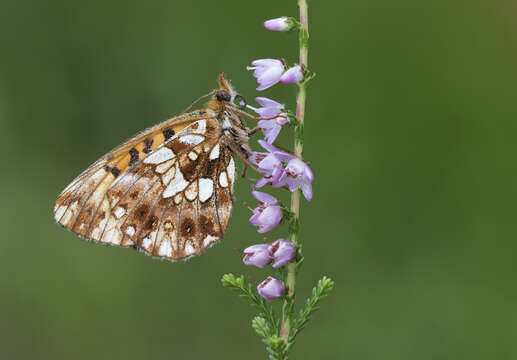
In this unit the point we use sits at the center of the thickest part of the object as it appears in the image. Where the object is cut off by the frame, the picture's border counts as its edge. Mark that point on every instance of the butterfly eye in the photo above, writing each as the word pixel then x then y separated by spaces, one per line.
pixel 223 95
pixel 240 101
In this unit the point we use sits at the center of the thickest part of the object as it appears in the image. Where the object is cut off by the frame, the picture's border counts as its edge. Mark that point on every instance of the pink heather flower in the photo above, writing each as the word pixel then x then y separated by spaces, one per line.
pixel 293 75
pixel 283 251
pixel 279 24
pixel 271 108
pixel 297 175
pixel 269 163
pixel 271 288
pixel 272 127
pixel 257 255
pixel 268 213
pixel 267 72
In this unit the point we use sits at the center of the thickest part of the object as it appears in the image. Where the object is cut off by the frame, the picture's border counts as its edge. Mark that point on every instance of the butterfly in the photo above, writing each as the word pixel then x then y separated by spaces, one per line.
pixel 167 191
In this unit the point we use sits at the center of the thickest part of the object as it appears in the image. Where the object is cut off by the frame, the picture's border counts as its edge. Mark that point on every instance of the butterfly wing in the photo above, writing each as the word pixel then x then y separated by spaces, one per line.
pixel 168 191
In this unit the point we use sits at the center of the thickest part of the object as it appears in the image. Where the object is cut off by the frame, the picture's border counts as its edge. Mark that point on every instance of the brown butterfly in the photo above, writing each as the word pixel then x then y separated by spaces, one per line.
pixel 168 191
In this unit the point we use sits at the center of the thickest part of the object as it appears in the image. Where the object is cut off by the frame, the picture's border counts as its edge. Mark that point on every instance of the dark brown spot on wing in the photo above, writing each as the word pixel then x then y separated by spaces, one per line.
pixel 147 143
pixel 188 228
pixel 188 169
pixel 223 196
pixel 209 170
pixel 168 133
pixel 151 222
pixel 142 211
pixel 115 171
pixel 207 226
pixel 134 156
pixel 177 146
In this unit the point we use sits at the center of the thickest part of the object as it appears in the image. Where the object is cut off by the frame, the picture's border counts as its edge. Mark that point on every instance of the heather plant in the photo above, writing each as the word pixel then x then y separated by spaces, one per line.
pixel 286 170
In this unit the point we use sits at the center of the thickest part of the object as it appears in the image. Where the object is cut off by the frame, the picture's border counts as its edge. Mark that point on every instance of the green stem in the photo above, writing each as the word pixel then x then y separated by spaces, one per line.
pixel 298 151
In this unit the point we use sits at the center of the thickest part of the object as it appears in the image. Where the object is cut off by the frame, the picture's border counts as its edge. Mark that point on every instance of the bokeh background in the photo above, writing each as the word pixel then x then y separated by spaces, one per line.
pixel 411 132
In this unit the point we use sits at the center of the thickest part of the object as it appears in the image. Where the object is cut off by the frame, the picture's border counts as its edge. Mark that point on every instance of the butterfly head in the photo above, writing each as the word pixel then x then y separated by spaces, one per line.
pixel 225 92
pixel 223 95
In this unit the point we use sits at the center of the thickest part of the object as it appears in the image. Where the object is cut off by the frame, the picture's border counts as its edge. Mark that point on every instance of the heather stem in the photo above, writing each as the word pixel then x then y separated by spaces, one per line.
pixel 298 150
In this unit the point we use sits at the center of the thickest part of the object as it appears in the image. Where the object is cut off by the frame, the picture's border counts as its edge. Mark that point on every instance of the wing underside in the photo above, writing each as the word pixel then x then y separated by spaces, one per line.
pixel 167 192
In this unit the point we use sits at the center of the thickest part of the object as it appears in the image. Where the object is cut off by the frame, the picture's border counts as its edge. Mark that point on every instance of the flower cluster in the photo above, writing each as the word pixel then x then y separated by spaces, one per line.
pixel 278 168
pixel 282 169
pixel 280 252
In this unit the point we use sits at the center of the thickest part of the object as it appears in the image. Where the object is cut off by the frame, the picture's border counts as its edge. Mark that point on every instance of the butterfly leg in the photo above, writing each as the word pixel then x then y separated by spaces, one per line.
pixel 244 174
pixel 283 148
pixel 256 118
pixel 243 157
pixel 252 132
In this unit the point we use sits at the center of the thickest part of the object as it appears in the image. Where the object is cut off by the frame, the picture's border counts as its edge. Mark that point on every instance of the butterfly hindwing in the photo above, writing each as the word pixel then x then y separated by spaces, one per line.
pixel 168 191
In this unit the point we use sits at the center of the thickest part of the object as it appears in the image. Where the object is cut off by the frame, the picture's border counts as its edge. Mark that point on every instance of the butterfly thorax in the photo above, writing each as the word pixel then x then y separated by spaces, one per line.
pixel 234 131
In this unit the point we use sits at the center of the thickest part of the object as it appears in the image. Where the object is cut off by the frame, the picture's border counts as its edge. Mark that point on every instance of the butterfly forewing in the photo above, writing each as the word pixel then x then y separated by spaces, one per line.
pixel 168 191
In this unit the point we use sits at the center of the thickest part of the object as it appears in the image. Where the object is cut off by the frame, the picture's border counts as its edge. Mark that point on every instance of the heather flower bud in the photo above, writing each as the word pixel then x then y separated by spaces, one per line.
pixel 257 255
pixel 271 288
pixel 279 24
pixel 293 75
pixel 283 251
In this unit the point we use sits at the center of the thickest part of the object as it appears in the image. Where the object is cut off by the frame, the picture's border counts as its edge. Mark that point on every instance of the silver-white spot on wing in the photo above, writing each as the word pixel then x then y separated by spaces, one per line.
pixel 214 154
pixel 191 139
pixel 223 179
pixel 208 240
pixel 146 243
pixel 192 155
pixel 165 248
pixel 159 156
pixel 201 127
pixel 169 175
pixel 177 184
pixel 160 169
pixel 206 189
pixel 130 230
pixel 119 212
pixel 189 249
pixel 231 170
pixel 191 191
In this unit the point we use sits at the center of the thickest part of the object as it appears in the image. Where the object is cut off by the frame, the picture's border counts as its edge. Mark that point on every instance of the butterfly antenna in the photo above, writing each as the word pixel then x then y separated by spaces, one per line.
pixel 196 101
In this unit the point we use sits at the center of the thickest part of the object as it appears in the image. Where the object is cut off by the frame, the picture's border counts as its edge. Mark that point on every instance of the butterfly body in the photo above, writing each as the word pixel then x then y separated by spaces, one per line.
pixel 168 191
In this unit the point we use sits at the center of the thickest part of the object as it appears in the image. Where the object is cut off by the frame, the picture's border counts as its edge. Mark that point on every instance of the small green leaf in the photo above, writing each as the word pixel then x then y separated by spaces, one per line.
pixel 249 291
pixel 277 348
pixel 259 324
pixel 321 291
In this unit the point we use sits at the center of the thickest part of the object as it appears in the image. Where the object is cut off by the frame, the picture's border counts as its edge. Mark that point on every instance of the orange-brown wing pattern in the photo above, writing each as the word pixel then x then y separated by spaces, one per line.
pixel 79 198
pixel 168 191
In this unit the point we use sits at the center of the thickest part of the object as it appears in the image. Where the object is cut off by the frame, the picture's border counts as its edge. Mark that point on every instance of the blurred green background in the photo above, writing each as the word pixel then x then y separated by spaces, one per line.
pixel 411 132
